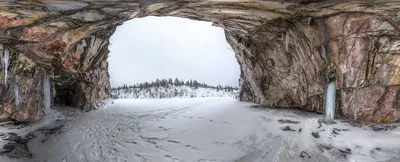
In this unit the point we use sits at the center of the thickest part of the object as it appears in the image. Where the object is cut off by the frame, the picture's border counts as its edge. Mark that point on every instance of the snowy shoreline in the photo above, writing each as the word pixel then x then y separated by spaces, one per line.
pixel 172 91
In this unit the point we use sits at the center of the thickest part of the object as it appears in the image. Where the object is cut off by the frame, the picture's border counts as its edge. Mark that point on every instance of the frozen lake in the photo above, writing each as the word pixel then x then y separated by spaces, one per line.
pixel 206 130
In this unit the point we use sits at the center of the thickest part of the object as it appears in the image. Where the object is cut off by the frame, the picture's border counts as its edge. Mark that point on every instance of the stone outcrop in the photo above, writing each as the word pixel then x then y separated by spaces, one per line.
pixel 288 51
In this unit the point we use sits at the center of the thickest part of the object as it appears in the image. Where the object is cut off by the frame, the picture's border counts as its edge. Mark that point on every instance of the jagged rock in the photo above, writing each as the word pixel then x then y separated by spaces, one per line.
pixel 287 121
pixel 13 137
pixel 323 147
pixel 345 152
pixel 383 128
pixel 287 128
pixel 315 134
pixel 304 154
pixel 15 146
pixel 288 51
pixel 7 148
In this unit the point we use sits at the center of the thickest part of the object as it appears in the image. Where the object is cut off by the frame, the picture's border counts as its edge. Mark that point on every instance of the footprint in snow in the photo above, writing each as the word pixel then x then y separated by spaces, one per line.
pixel 172 141
pixel 220 143
pixel 208 160
pixel 190 146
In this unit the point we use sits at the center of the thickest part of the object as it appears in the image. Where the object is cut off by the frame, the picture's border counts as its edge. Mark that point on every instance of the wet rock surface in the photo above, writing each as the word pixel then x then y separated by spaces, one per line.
pixel 15 146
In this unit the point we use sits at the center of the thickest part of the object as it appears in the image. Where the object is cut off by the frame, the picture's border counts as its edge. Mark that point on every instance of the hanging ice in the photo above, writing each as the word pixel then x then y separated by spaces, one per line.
pixel 355 113
pixel 287 41
pixel 309 21
pixel 330 101
pixel 46 91
pixel 16 94
pixel 6 59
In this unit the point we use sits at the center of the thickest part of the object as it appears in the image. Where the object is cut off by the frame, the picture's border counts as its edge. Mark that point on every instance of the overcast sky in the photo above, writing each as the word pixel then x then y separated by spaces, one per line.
pixel 166 47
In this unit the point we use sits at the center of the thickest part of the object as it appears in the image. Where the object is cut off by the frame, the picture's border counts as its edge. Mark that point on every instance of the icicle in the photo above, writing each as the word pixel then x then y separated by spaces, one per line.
pixel 6 59
pixel 355 114
pixel 330 101
pixel 287 41
pixel 309 21
pixel 46 91
pixel 16 94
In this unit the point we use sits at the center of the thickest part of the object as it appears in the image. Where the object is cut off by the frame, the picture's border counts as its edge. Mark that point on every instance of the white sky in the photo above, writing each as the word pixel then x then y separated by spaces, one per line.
pixel 166 47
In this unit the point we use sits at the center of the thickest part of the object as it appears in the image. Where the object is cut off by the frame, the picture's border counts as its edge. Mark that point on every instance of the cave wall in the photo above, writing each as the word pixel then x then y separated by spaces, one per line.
pixel 288 51
pixel 290 63
pixel 25 76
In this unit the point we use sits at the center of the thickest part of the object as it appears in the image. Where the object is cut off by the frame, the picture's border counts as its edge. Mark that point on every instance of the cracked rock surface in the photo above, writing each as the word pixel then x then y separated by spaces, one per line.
pixel 288 51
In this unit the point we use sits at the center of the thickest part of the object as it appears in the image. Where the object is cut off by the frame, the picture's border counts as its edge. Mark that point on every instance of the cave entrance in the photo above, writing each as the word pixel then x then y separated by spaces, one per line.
pixel 64 96
pixel 67 91
pixel 146 49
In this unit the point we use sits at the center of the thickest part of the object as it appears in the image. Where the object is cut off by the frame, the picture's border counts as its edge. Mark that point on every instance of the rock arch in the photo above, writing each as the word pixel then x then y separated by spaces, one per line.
pixel 307 42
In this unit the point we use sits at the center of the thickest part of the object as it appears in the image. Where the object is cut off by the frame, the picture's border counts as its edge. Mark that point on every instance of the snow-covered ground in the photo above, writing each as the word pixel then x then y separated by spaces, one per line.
pixel 209 130
pixel 172 92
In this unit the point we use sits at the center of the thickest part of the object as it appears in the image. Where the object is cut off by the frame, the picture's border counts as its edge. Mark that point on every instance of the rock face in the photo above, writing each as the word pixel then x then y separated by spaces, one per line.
pixel 288 51
pixel 292 62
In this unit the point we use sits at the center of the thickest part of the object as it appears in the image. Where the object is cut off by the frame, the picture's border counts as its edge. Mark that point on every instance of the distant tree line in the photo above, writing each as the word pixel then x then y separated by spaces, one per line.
pixel 170 82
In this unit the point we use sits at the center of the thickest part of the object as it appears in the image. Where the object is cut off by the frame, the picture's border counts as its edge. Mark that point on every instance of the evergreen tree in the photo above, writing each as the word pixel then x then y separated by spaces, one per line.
pixel 195 84
pixel 125 87
pixel 157 83
pixel 176 82
pixel 160 88
pixel 175 92
pixel 170 82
